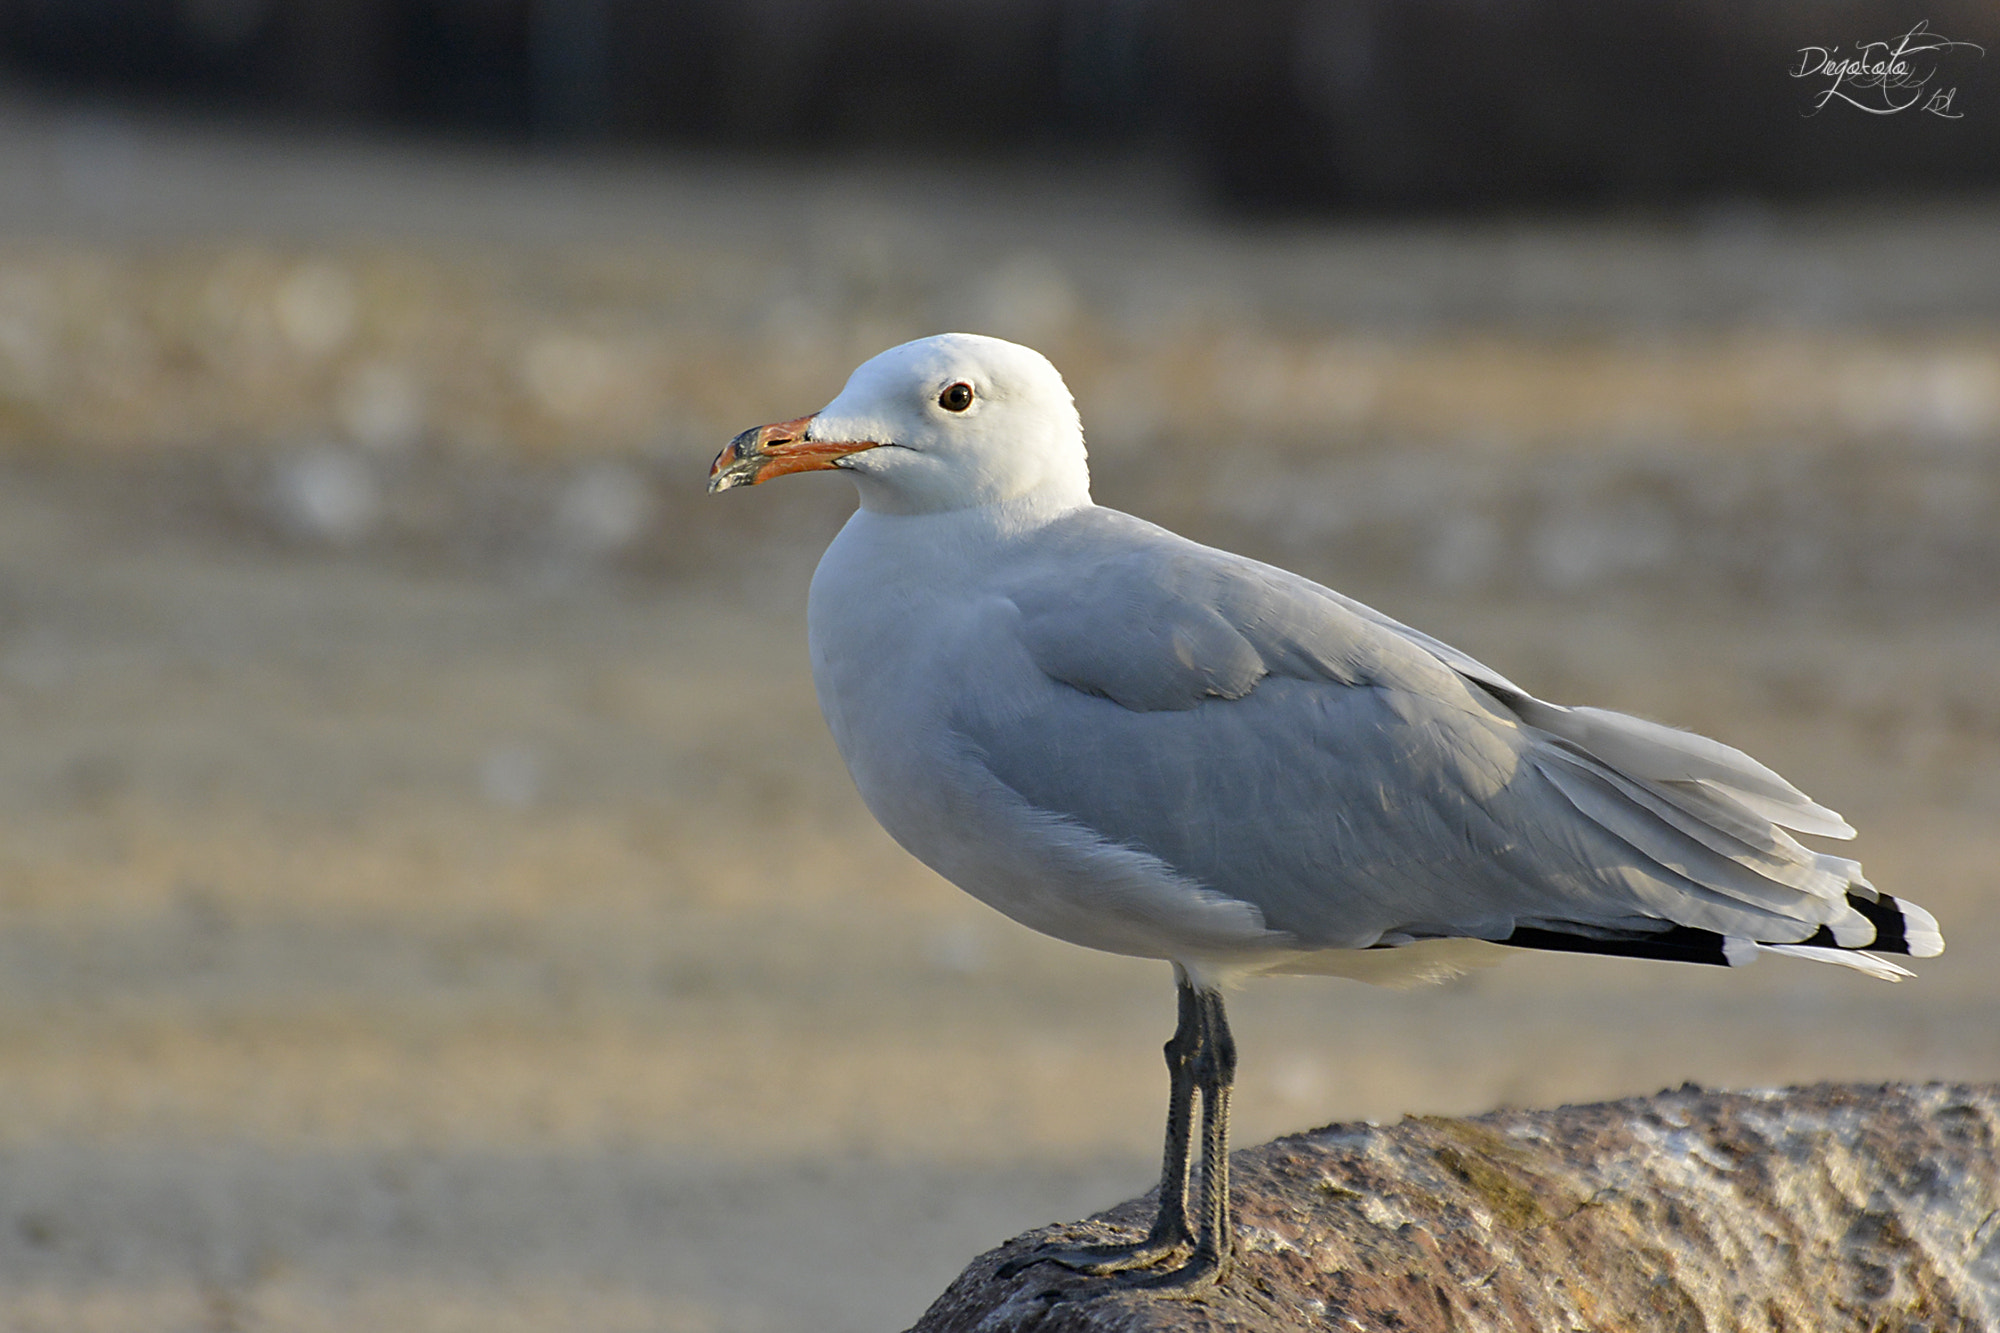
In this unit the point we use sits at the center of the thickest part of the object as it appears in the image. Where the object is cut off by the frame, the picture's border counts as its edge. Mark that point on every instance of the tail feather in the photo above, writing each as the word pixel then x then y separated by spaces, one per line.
pixel 1900 928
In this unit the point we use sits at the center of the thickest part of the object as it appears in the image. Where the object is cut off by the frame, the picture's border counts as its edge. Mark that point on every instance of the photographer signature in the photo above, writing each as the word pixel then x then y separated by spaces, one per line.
pixel 1883 78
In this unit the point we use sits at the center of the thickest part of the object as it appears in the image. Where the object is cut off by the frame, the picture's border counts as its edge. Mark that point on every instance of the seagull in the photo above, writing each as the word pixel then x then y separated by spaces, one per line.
pixel 1136 743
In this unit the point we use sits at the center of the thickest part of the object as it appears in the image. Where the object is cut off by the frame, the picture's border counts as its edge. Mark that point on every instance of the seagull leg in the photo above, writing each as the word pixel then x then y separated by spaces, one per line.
pixel 1214 1076
pixel 1171 1230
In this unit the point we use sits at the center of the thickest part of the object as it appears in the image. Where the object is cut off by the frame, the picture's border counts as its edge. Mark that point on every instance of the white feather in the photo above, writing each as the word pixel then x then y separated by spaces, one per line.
pixel 1860 961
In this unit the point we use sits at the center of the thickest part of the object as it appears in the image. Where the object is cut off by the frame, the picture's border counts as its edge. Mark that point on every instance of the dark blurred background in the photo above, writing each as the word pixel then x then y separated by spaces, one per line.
pixel 429 898
pixel 1275 103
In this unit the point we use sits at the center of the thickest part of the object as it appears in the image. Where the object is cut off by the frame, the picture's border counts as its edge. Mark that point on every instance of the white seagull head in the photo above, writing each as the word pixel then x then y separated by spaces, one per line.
pixel 946 422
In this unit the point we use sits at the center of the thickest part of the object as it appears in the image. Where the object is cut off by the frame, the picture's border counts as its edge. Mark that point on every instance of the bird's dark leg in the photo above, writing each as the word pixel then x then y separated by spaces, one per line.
pixel 1171 1232
pixel 1214 1076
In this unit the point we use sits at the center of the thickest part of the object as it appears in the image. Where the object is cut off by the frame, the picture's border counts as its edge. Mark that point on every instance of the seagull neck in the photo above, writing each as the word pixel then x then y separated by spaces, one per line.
pixel 1016 514
pixel 1022 513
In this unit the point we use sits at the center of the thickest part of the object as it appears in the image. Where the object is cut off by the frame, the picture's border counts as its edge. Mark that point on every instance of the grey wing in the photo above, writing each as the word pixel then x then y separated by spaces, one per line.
pixel 1359 783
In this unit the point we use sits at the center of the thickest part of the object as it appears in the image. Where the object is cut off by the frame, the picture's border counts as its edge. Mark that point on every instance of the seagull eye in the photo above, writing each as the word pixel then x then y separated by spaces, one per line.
pixel 956 397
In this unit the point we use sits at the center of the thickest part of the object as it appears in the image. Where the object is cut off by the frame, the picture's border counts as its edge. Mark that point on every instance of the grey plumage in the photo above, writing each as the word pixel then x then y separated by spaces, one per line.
pixel 1360 783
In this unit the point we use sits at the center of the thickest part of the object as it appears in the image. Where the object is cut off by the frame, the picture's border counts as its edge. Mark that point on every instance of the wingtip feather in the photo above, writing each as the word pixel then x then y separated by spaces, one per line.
pixel 1920 930
pixel 1802 815
pixel 1880 968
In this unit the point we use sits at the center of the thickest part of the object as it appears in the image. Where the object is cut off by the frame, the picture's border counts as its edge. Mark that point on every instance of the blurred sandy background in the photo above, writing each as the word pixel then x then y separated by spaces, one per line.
pixel 429 899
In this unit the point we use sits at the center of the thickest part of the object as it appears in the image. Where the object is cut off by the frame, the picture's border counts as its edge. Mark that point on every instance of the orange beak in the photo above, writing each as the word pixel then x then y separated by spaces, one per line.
pixel 764 452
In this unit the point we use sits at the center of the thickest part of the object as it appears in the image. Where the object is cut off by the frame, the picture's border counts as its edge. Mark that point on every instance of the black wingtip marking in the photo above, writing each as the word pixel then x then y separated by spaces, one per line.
pixel 1679 944
pixel 1685 944
pixel 1886 915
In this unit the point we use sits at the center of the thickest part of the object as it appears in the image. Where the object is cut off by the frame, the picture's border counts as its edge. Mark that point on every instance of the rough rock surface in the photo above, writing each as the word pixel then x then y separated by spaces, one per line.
pixel 1826 1208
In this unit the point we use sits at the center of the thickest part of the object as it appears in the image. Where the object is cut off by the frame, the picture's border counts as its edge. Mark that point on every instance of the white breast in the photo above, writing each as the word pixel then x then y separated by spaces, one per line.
pixel 903 619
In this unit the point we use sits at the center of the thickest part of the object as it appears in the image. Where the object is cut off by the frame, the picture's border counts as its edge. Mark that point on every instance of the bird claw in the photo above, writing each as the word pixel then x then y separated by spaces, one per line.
pixel 1128 1268
pixel 1203 1271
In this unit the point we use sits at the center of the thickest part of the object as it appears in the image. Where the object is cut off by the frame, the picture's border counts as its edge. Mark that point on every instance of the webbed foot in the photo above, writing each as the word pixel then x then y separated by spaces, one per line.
pixel 1098 1260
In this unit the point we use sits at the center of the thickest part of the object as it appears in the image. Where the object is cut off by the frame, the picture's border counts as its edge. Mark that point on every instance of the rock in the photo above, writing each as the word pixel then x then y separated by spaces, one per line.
pixel 1826 1208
